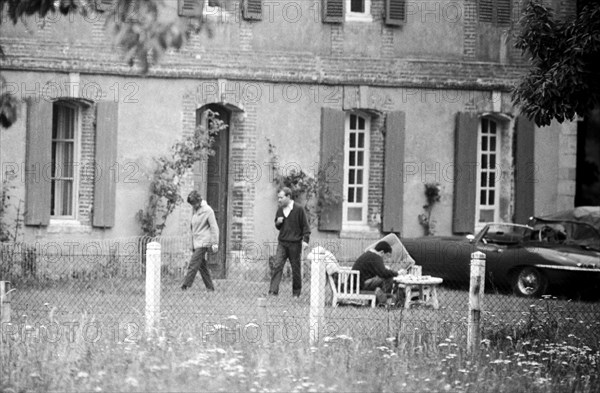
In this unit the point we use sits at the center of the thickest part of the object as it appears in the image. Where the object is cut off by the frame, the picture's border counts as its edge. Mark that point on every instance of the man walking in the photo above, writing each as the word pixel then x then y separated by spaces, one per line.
pixel 205 237
pixel 294 234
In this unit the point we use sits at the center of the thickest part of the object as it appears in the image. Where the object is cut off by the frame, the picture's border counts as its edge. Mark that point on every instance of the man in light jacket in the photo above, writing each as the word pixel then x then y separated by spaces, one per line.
pixel 205 237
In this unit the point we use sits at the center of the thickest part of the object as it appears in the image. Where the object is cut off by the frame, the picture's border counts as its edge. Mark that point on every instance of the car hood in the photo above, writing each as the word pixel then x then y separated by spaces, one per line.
pixel 435 239
pixel 567 257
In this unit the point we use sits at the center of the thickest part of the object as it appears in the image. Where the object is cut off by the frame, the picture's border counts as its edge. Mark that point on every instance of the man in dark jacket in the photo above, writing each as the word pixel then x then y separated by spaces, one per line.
pixel 294 234
pixel 374 276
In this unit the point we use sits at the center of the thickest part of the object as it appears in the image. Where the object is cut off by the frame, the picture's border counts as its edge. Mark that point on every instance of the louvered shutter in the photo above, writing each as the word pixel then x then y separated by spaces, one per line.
pixel 503 12
pixel 333 11
pixel 190 7
pixel 332 167
pixel 395 12
pixel 393 187
pixel 524 170
pixel 486 10
pixel 252 9
pixel 495 11
pixel 106 156
pixel 465 170
pixel 38 162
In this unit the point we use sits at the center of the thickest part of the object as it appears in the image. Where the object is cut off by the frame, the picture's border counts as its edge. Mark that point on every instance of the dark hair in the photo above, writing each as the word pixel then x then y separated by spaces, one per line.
pixel 287 191
pixel 383 246
pixel 194 197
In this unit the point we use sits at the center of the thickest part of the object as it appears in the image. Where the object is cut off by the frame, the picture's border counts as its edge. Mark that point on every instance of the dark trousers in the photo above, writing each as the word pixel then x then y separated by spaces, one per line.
pixel 199 263
pixel 386 284
pixel 291 251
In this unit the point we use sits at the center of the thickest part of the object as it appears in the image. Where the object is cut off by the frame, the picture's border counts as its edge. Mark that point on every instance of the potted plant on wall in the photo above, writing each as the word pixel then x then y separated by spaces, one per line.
pixel 433 195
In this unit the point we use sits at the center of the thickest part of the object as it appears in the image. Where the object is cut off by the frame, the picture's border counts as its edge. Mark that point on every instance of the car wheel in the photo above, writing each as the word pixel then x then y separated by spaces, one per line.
pixel 529 282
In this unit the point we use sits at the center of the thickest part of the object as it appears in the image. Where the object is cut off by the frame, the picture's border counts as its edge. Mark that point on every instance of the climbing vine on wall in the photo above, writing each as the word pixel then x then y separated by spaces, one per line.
pixel 165 187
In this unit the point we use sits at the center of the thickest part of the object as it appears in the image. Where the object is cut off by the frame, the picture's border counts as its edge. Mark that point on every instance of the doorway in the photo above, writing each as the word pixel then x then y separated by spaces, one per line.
pixel 217 184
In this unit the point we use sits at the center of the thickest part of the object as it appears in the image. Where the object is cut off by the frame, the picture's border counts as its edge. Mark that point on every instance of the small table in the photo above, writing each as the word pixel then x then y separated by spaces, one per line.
pixel 426 286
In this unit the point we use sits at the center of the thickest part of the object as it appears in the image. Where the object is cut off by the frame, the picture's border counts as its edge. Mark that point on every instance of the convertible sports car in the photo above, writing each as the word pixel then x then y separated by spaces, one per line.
pixel 557 254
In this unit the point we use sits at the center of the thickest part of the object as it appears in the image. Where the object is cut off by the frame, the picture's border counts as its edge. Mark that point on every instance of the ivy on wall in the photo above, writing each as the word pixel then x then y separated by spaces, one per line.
pixel 165 187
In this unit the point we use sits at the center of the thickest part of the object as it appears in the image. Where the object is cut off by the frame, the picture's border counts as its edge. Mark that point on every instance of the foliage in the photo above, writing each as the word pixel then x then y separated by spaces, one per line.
pixel 433 196
pixel 313 190
pixel 564 80
pixel 166 182
pixel 142 29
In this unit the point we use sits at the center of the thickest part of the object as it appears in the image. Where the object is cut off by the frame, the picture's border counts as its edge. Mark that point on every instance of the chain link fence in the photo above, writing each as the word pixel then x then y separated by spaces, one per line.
pixel 102 283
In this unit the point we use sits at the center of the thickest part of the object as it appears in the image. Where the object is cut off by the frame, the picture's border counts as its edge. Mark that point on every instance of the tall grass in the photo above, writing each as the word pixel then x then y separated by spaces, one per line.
pixel 539 354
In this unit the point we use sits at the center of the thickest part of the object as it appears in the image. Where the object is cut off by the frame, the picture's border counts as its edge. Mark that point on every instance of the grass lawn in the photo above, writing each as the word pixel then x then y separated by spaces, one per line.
pixel 89 336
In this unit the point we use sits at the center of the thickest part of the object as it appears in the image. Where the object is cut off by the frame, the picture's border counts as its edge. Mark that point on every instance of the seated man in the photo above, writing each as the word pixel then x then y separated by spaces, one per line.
pixel 374 276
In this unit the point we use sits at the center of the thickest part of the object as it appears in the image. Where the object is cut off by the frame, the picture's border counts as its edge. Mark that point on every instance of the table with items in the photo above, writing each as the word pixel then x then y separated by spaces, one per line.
pixel 418 290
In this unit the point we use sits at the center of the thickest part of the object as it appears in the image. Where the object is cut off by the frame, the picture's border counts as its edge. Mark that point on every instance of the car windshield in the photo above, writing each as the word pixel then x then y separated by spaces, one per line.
pixel 566 232
pixel 505 234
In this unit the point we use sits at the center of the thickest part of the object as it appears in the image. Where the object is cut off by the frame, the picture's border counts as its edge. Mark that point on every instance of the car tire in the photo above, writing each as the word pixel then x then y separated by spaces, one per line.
pixel 529 282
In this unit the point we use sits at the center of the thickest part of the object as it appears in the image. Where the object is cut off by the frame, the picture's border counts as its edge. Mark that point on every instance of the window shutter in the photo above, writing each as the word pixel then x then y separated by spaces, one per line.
pixel 333 11
pixel 190 7
pixel 332 166
pixel 393 187
pixel 524 170
pixel 252 9
pixel 503 12
pixel 465 170
pixel 106 156
pixel 486 10
pixel 395 12
pixel 38 161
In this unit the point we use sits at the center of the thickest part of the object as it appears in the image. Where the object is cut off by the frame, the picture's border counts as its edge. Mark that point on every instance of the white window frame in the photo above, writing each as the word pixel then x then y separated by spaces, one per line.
pixel 76 159
pixel 358 16
pixel 495 170
pixel 361 225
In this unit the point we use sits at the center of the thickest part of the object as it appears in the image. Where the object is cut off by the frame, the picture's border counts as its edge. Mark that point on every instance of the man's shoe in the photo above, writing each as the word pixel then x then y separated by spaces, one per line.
pixel 184 287
pixel 272 293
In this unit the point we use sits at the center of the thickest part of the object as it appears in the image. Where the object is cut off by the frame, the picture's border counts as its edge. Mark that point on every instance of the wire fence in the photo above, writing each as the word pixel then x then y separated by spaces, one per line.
pixel 103 282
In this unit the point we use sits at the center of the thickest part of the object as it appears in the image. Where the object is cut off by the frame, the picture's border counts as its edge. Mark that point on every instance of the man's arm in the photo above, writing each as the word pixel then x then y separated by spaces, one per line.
pixel 380 269
pixel 279 218
pixel 305 227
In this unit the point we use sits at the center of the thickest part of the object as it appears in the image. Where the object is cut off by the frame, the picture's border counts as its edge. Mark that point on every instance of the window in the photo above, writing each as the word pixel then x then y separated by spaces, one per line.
pixel 356 181
pixel 65 142
pixel 358 10
pixel 488 172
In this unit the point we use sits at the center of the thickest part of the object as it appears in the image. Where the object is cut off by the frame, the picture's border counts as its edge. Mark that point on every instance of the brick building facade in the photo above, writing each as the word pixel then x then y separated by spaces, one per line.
pixel 392 94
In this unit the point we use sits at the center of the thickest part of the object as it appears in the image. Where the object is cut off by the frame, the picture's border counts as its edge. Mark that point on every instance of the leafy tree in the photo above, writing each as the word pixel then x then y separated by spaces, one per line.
pixel 141 29
pixel 564 79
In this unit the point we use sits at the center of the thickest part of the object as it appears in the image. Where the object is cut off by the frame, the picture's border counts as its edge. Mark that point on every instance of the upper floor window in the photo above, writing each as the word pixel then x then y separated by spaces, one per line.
pixel 488 172
pixel 358 10
pixel 65 151
pixel 356 170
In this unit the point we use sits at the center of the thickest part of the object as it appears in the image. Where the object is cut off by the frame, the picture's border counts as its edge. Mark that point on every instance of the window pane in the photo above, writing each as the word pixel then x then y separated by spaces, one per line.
pixel 359 194
pixel 484 161
pixel 361 156
pixel 352 139
pixel 351 176
pixel 361 120
pixel 483 179
pixel 359 176
pixel 492 178
pixel 357 6
pixel 355 214
pixel 353 122
pixel 352 159
pixel 350 194
pixel 361 139
pixel 491 197
pixel 486 215
pixel 484 143
pixel 493 143
pixel 492 161
pixel 482 197
pixel 492 127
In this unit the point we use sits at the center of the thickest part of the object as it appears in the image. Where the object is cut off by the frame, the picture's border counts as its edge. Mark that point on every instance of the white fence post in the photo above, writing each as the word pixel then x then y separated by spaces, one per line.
pixel 476 289
pixel 317 296
pixel 5 301
pixel 153 264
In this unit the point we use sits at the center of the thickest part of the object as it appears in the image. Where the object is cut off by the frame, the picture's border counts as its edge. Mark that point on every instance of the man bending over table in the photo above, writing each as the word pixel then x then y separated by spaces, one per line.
pixel 374 276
